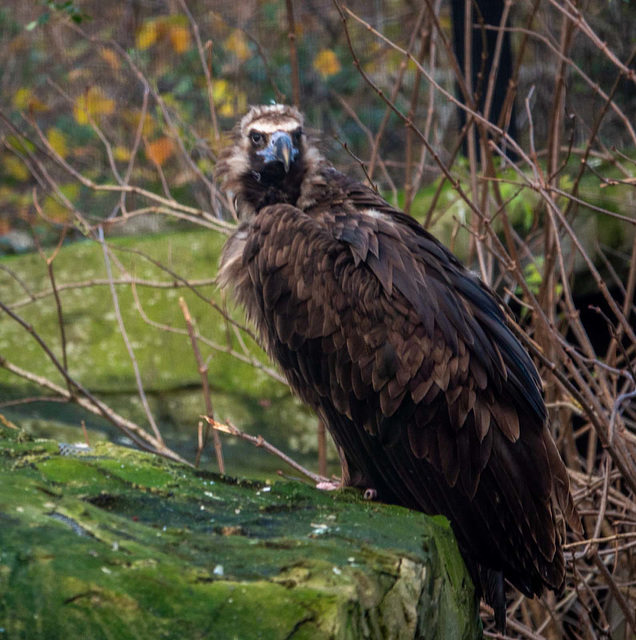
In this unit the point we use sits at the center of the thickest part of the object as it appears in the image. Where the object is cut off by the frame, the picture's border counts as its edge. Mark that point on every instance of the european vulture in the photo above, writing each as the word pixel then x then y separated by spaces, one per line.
pixel 402 352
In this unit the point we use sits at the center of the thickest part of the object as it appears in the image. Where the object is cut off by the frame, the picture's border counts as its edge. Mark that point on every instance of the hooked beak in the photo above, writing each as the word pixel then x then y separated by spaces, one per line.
pixel 283 150
pixel 280 148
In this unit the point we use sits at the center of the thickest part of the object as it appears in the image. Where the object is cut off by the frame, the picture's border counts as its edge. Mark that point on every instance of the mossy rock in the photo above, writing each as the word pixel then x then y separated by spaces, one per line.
pixel 114 543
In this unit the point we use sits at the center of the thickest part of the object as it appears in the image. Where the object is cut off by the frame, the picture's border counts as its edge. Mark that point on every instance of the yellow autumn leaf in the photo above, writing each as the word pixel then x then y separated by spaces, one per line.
pixel 55 209
pixel 205 166
pixel 160 150
pixel 233 105
pixel 227 101
pixel 171 100
pixel 121 154
pixel 326 63
pixel 241 102
pixel 20 144
pixel 132 116
pixel 110 57
pixel 58 141
pixel 179 38
pixel 15 168
pixel 237 44
pixel 147 35
pixel 445 22
pixel 393 60
pixel 220 90
pixel 23 98
pixel 91 105
pixel 226 110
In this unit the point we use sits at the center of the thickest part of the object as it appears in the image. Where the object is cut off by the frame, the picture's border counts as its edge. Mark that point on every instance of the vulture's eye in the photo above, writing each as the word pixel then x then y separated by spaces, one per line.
pixel 256 137
pixel 297 135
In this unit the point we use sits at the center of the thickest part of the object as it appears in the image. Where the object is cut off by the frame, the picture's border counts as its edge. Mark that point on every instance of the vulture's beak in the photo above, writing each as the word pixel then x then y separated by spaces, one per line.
pixel 281 149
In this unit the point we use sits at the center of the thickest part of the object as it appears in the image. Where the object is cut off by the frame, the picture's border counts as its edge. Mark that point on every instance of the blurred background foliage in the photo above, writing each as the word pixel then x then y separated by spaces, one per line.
pixel 65 63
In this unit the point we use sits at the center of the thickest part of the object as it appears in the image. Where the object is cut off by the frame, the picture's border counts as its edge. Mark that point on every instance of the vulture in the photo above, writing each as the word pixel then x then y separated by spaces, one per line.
pixel 404 354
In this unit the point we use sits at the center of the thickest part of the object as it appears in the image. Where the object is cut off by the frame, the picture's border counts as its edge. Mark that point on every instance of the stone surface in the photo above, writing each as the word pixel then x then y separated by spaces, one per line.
pixel 114 543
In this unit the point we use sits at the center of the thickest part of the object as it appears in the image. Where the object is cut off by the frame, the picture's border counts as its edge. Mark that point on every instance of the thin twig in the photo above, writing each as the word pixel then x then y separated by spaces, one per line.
pixel 203 373
pixel 51 274
pixel 259 441
pixel 19 280
pixel 322 448
pixel 207 67
pixel 293 54
pixel 245 357
pixel 103 282
pixel 89 402
pixel 124 335
pixel 396 88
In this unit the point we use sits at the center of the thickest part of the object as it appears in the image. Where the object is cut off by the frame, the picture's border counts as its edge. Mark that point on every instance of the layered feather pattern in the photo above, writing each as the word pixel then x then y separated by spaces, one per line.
pixel 408 358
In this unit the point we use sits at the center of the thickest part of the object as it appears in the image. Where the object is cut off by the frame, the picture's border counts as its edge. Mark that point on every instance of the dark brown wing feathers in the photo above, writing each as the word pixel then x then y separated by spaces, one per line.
pixel 408 359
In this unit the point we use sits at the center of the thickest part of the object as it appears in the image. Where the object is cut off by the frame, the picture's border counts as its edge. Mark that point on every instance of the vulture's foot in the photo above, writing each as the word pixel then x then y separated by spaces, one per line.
pixel 329 486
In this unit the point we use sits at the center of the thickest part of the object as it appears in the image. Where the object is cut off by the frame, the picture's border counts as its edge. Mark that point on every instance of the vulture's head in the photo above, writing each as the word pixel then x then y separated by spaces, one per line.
pixel 269 160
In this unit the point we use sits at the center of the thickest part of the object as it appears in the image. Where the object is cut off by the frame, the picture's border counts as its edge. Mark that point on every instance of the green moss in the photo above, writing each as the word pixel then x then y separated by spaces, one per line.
pixel 97 352
pixel 115 543
pixel 98 357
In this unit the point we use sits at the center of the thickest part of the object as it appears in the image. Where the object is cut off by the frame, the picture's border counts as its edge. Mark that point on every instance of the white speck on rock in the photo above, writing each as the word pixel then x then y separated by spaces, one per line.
pixel 319 529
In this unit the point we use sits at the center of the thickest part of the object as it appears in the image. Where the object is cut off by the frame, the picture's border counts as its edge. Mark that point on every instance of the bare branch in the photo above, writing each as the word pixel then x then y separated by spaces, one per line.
pixel 270 448
pixel 124 335
pixel 203 372
pixel 293 55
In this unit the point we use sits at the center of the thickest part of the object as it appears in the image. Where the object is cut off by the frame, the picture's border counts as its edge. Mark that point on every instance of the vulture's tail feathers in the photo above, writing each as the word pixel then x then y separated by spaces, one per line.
pixel 492 584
